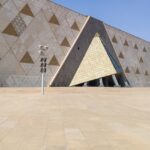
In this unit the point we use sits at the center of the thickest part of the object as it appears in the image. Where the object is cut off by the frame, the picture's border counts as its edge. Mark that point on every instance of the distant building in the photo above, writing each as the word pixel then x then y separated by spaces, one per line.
pixel 83 51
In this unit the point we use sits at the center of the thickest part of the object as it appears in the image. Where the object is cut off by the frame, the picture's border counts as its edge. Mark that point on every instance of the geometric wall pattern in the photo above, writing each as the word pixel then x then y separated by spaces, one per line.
pixel 27 10
pixel 137 71
pixel 135 46
pixel 65 42
pixel 27 59
pixel 75 26
pixel 141 60
pixel 54 20
pixel 114 39
pixel 121 55
pixel 136 54
pixel 54 61
pixel 19 25
pixel 25 24
pixel 127 70
pixel 126 43
pixel 10 30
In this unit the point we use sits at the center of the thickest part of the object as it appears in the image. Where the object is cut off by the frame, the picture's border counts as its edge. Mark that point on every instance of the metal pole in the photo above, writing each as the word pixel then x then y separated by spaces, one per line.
pixel 43 65
pixel 42 84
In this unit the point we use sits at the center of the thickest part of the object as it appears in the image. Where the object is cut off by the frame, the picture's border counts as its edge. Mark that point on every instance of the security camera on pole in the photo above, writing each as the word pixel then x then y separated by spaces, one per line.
pixel 43 61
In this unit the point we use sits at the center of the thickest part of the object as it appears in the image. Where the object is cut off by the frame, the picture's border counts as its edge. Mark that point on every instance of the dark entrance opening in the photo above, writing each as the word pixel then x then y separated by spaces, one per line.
pixel 93 83
pixel 108 81
pixel 80 85
pixel 117 80
pixel 120 79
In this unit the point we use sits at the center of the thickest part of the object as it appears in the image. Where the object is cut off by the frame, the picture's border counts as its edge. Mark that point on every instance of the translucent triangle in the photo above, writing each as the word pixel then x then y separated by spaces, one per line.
pixel 54 61
pixel 127 70
pixel 65 42
pixel 126 43
pixel 10 30
pixel 141 60
pixel 75 26
pixel 114 40
pixel 27 11
pixel 95 64
pixel 27 59
pixel 54 20
pixel 137 71
pixel 121 55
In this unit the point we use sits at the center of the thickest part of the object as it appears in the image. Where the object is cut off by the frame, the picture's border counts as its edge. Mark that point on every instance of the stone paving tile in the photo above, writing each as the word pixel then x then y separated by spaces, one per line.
pixel 75 119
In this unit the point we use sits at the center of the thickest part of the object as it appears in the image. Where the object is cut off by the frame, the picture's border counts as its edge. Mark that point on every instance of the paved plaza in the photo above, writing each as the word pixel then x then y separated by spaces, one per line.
pixel 75 119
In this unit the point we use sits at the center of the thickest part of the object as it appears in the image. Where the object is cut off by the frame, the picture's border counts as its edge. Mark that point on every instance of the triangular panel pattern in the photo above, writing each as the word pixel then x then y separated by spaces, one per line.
pixel 54 61
pixel 75 26
pixel 65 42
pixel 54 20
pixel 141 60
pixel 89 69
pixel 27 59
pixel 121 55
pixel 37 30
pixel 114 40
pixel 19 25
pixel 10 30
pixel 127 70
pixel 126 43
pixel 27 10
pixel 137 71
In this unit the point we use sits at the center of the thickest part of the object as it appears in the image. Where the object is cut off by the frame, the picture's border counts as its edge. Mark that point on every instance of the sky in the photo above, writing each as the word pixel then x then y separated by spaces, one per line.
pixel 132 16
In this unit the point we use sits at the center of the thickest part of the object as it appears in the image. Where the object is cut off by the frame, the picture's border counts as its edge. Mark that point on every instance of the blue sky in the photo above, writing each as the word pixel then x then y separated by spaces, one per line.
pixel 132 16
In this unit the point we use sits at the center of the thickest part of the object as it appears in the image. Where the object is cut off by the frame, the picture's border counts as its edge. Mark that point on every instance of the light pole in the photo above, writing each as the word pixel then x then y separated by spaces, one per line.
pixel 43 61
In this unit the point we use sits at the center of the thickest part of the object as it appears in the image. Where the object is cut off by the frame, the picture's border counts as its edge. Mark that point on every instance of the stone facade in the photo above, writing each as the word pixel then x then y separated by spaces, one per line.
pixel 25 24
pixel 133 54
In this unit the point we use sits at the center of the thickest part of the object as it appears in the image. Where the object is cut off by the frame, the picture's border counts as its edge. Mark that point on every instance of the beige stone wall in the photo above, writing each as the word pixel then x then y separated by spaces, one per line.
pixel 133 54
pixel 95 63
pixel 24 25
